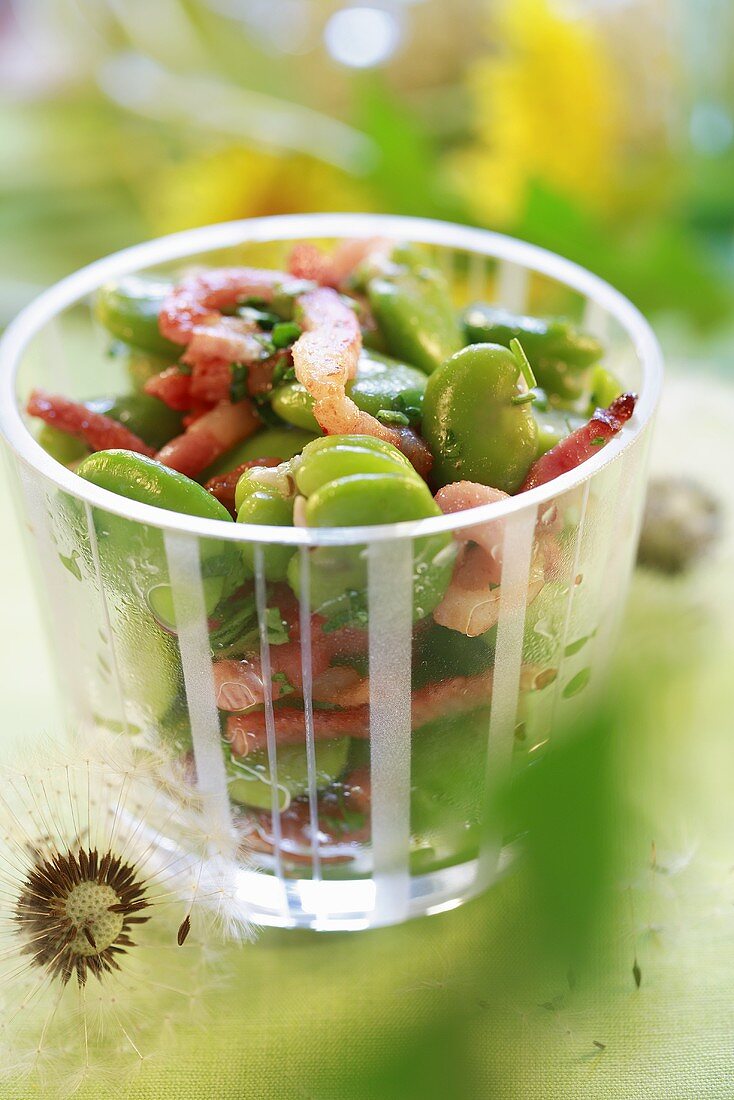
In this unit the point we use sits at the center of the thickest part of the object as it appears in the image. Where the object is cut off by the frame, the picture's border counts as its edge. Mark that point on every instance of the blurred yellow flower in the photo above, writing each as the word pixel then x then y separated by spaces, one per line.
pixel 547 108
pixel 240 182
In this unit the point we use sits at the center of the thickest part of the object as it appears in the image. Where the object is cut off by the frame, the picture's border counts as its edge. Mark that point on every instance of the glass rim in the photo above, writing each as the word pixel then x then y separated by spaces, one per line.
pixel 284 227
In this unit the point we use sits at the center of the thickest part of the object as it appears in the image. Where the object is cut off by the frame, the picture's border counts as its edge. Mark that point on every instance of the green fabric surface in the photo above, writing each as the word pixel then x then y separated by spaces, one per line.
pixel 323 1017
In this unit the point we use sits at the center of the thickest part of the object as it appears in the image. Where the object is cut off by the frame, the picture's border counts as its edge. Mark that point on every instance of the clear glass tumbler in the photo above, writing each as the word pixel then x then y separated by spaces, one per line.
pixel 372 811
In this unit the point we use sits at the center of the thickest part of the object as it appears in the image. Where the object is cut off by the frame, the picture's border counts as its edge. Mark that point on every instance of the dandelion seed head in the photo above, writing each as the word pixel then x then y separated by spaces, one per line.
pixel 106 856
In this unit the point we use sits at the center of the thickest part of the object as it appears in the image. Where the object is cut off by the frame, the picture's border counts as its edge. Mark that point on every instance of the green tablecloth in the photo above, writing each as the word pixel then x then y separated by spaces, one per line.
pixel 326 1017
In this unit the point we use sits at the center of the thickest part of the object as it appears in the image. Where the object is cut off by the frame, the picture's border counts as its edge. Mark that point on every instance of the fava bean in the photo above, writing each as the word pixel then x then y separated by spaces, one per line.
pixel 129 309
pixel 336 456
pixel 259 501
pixel 477 420
pixel 249 778
pixel 558 352
pixel 413 310
pixel 354 481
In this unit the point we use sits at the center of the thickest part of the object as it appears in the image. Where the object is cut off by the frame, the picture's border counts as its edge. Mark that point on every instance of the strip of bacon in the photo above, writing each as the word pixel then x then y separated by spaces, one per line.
pixel 201 298
pixel 172 387
pixel 246 732
pixel 230 338
pixel 581 444
pixel 211 380
pixel 99 432
pixel 308 261
pixel 209 437
pixel 223 486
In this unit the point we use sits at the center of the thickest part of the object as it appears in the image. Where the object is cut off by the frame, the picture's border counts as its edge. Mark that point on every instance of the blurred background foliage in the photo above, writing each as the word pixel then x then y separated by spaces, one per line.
pixel 603 129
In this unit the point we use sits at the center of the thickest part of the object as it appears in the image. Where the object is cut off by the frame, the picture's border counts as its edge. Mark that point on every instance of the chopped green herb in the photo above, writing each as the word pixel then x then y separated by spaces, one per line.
pixel 413 412
pixel 574 647
pixel 392 418
pixel 523 363
pixel 598 441
pixel 185 369
pixel 285 333
pixel 354 614
pixel 238 385
pixel 117 348
pixel 286 687
pixel 277 627
pixel 523 398
pixel 265 412
pixel 262 318
pixel 239 620
pixel 284 372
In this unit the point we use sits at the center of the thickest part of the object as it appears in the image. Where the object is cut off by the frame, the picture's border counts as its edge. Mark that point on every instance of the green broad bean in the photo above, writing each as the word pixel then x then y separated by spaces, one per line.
pixel 139 365
pixel 477 419
pixel 146 416
pixel 372 484
pixel 605 386
pixel 129 310
pixel 412 306
pixel 283 443
pixel 140 478
pixel 559 353
pixel 448 795
pixel 134 552
pixel 551 338
pixel 554 424
pixel 65 448
pixel 382 385
pixel 369 498
pixel 250 783
pixel 335 456
pixel 260 501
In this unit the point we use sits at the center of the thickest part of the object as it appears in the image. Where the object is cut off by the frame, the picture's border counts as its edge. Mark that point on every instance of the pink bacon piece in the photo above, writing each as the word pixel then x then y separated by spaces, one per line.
pixel 246 732
pixel 581 444
pixel 99 432
pixel 209 437
pixel 231 339
pixel 172 387
pixel 325 359
pixel 308 261
pixel 210 382
pixel 460 495
pixel 201 299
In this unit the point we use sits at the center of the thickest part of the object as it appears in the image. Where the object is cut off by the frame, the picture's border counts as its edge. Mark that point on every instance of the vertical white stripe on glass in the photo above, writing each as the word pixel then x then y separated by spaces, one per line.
pixel 182 554
pixel 390 571
pixel 517 552
pixel 267 679
pixel 512 286
pixel 109 634
pixel 307 670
